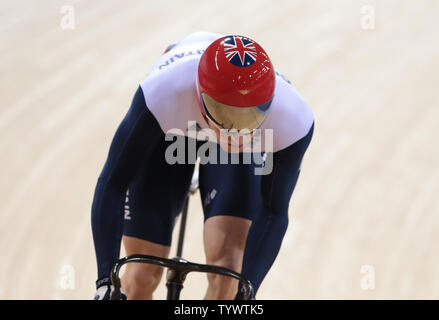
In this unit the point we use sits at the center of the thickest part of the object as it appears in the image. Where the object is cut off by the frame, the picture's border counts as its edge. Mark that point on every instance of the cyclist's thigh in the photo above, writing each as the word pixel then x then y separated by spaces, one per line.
pixel 156 197
pixel 230 189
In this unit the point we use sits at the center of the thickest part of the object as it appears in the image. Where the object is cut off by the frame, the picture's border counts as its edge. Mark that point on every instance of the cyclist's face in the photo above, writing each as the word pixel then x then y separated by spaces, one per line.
pixel 230 140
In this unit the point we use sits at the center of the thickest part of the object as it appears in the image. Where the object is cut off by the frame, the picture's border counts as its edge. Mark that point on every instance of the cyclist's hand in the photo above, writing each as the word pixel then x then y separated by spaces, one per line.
pixel 104 289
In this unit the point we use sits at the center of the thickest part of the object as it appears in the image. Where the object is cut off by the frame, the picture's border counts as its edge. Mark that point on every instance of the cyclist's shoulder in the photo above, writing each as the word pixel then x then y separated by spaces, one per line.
pixel 287 97
pixel 290 117
pixel 175 71
pixel 171 81
pixel 187 51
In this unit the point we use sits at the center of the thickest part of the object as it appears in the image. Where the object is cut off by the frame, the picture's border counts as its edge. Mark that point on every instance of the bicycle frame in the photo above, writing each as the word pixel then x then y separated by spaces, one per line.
pixel 178 268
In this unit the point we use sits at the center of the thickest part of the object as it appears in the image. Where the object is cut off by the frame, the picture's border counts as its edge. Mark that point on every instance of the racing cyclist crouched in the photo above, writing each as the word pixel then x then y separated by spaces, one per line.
pixel 214 84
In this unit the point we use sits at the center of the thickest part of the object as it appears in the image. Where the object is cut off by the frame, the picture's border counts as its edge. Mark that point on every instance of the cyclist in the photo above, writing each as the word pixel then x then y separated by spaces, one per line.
pixel 206 81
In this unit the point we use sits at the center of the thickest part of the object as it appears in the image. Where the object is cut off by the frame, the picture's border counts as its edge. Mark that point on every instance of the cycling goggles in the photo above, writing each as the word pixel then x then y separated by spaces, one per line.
pixel 231 117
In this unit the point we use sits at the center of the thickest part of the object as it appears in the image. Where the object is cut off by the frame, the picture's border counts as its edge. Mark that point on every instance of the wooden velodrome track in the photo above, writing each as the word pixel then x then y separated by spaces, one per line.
pixel 367 195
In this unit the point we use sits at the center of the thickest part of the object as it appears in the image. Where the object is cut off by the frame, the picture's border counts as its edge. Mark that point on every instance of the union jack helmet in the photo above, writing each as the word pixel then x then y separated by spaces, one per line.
pixel 235 83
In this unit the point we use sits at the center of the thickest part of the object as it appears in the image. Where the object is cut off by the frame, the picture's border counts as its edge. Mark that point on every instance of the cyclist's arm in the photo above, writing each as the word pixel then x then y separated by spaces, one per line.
pixel 135 137
pixel 278 186
pixel 269 226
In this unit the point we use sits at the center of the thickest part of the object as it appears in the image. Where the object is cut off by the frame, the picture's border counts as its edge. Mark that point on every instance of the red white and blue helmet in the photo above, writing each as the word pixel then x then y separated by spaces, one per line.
pixel 235 83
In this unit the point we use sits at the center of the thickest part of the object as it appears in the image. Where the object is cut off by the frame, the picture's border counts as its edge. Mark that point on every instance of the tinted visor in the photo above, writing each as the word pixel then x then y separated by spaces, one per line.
pixel 231 117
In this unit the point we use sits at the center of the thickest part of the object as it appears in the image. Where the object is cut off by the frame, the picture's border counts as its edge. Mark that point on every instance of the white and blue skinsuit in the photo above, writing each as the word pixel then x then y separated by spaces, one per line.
pixel 166 100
